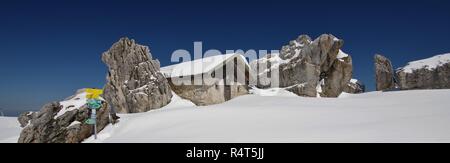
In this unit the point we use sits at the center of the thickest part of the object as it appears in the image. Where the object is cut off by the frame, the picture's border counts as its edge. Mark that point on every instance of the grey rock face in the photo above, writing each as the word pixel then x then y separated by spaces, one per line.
pixel 290 51
pixel 384 73
pixel 437 78
pixel 307 90
pixel 309 65
pixel 25 118
pixel 263 69
pixel 134 83
pixel 45 128
pixel 337 77
pixel 355 87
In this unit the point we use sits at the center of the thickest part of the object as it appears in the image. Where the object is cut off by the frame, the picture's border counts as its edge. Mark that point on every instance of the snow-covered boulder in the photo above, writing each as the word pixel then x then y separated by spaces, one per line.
pixel 134 82
pixel 355 87
pixel 430 73
pixel 384 73
pixel 62 122
pixel 309 68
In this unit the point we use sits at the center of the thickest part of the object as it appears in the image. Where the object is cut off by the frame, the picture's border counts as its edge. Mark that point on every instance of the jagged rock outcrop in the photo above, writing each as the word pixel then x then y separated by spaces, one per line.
pixel 431 73
pixel 57 123
pixel 25 118
pixel 264 68
pixel 134 83
pixel 355 87
pixel 308 68
pixel 384 73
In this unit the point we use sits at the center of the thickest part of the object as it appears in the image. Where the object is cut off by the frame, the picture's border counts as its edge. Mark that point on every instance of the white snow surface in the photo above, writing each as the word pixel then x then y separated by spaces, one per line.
pixel 280 92
pixel 275 115
pixel 75 103
pixel 429 63
pixel 9 130
pixel 354 81
pixel 341 55
pixel 74 123
pixel 198 66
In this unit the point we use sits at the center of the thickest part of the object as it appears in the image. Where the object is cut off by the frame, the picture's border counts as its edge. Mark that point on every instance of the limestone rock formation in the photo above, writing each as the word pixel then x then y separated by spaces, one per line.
pixel 25 118
pixel 57 123
pixel 355 87
pixel 134 83
pixel 431 73
pixel 309 68
pixel 384 73
pixel 264 68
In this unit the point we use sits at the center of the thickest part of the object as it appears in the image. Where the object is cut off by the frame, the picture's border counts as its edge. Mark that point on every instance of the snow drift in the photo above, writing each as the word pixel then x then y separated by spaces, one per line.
pixel 276 115
pixel 9 130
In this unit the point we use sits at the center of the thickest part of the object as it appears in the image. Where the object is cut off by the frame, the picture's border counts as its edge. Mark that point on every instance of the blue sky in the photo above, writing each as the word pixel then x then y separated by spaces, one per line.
pixel 49 49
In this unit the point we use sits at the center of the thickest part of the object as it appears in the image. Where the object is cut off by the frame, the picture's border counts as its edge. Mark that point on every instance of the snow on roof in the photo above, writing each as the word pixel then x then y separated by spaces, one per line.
pixel 429 63
pixel 199 66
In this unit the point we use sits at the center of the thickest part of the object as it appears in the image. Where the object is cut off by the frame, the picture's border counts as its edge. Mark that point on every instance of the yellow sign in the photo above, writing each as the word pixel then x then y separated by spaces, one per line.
pixel 93 93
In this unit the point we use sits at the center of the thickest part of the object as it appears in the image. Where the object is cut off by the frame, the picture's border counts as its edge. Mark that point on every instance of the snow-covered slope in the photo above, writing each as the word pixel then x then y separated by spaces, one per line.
pixel 429 63
pixel 403 116
pixel 9 130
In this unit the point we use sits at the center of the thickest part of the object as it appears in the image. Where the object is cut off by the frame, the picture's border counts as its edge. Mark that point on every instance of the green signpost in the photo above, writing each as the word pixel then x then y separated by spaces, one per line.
pixel 90 121
pixel 93 103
